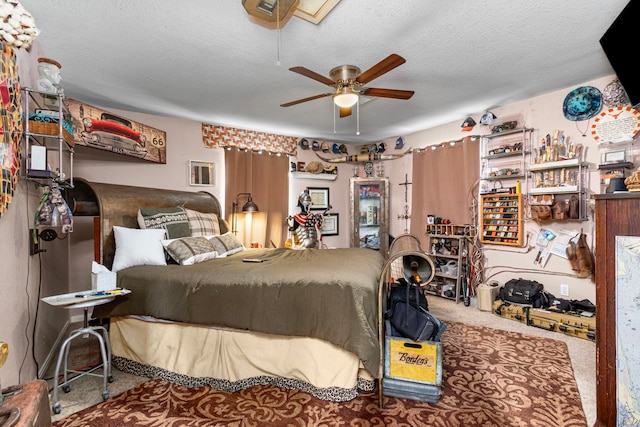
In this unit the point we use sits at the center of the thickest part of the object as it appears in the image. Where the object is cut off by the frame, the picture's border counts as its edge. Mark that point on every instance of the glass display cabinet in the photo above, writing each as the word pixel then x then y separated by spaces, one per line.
pixel 369 214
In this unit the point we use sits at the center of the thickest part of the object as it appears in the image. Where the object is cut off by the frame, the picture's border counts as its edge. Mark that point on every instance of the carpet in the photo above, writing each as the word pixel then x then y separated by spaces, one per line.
pixel 489 378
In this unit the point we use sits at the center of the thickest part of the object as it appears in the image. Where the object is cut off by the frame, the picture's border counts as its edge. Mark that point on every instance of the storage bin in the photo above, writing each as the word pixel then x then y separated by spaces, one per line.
pixel 47 125
pixel 450 268
pixel 411 390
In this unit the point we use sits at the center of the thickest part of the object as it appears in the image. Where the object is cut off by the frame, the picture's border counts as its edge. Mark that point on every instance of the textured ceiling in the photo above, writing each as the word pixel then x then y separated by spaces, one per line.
pixel 207 61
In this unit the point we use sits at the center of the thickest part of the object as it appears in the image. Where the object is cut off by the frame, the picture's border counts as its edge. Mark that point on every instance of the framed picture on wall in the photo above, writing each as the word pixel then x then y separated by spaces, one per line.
pixel 319 197
pixel 103 130
pixel 330 225
pixel 201 173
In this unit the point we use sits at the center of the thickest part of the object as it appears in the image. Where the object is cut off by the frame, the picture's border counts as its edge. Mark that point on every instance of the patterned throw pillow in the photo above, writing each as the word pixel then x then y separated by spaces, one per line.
pixel 203 224
pixel 173 220
pixel 226 244
pixel 190 250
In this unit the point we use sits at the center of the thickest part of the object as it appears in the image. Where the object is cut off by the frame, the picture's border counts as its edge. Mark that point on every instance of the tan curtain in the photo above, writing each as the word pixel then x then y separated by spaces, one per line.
pixel 443 180
pixel 266 178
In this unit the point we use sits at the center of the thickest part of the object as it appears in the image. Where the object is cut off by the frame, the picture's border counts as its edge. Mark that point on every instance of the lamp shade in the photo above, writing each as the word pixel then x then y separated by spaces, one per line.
pixel 345 97
pixel 250 206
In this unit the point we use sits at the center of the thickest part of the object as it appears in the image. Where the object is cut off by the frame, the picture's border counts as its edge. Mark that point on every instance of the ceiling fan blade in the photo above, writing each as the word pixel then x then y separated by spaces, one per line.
pixel 313 75
pixel 387 93
pixel 300 101
pixel 389 63
pixel 345 111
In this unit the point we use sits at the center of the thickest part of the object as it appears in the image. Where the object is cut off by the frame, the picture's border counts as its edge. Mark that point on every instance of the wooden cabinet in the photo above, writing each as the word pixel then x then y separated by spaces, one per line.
pixel 616 215
pixel 501 219
pixel 369 201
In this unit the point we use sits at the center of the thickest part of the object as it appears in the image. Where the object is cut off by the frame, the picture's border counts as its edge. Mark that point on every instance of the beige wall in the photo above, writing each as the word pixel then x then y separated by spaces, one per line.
pixel 544 114
pixel 66 264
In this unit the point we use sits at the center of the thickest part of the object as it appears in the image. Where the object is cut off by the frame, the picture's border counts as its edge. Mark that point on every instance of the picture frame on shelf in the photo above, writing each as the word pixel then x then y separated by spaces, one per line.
pixel 330 225
pixel 614 156
pixel 201 173
pixel 319 197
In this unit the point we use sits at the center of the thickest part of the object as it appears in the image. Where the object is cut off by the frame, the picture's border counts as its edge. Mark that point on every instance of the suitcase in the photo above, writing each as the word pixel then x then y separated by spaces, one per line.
pixel 571 324
pixel 32 401
pixel 511 311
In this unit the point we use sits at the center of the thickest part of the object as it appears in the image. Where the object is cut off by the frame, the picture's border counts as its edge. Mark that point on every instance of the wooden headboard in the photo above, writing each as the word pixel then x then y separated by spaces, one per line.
pixel 113 204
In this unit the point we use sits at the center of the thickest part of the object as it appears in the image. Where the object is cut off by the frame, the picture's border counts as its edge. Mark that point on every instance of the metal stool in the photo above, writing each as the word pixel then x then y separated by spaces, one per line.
pixel 101 333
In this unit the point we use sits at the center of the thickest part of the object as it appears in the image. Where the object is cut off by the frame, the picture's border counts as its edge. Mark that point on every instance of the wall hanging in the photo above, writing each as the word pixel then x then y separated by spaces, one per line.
pixel 97 128
pixel 11 124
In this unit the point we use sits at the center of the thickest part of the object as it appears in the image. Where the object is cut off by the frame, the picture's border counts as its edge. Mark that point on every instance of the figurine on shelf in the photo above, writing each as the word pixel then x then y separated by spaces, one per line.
pixel 50 78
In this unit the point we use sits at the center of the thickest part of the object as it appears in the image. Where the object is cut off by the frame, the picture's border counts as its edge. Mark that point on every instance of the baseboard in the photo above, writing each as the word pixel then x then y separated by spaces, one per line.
pixel 53 353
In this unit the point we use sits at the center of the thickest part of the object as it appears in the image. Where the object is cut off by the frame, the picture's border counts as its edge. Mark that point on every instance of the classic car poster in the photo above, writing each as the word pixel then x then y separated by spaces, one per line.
pixel 97 128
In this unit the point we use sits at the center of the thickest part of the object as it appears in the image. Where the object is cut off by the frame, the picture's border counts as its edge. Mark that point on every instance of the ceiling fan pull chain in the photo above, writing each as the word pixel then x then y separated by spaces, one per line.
pixel 278 35
pixel 334 118
pixel 357 116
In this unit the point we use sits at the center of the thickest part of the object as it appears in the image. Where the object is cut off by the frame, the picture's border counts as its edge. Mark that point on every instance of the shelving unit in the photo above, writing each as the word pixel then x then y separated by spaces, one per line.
pixel 503 158
pixel 449 253
pixel 48 139
pixel 501 219
pixel 561 178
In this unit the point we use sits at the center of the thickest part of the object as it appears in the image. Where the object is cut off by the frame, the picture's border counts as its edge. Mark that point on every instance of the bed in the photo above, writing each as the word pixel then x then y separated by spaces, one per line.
pixel 304 319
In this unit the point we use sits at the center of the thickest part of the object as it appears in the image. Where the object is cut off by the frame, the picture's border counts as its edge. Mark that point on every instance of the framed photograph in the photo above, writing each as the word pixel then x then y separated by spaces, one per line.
pixel 201 173
pixel 330 225
pixel 319 197
pixel 614 156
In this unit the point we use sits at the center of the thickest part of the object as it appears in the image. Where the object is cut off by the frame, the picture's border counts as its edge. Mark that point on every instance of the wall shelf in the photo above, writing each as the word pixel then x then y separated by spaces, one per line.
pixel 503 157
pixel 318 176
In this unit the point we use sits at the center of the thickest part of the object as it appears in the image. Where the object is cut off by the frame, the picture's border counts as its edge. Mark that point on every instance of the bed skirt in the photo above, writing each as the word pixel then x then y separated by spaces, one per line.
pixel 231 360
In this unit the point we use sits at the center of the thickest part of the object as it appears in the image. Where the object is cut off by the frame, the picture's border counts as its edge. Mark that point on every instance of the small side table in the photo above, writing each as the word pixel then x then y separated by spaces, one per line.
pixel 84 300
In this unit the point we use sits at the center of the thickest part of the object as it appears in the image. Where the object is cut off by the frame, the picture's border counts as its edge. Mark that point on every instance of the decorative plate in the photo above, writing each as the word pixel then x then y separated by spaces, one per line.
pixel 614 95
pixel 616 125
pixel 582 103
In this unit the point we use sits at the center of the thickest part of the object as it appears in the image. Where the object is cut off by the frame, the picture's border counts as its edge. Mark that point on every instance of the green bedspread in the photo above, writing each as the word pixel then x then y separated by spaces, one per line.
pixel 330 294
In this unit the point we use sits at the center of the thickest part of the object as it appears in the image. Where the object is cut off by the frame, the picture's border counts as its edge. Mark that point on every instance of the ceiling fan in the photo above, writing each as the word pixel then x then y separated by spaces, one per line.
pixel 349 83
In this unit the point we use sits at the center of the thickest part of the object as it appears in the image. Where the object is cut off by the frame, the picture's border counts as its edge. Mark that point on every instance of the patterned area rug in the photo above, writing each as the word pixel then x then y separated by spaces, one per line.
pixel 489 378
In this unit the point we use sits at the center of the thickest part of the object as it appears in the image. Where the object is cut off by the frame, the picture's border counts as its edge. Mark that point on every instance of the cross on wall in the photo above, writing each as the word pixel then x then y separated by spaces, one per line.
pixel 405 215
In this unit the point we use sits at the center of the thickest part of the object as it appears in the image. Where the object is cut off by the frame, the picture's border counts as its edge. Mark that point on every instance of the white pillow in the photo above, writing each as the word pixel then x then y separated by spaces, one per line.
pixel 138 247
pixel 226 244
pixel 190 250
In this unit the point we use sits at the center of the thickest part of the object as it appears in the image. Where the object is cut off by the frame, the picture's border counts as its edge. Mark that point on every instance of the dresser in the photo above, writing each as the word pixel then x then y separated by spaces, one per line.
pixel 617 214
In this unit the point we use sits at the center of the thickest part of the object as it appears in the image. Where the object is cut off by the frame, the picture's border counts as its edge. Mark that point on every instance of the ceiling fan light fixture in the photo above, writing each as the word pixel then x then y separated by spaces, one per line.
pixel 345 97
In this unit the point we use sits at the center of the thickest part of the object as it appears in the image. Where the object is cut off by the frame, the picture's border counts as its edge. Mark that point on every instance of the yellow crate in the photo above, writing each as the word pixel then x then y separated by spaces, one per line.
pixel 419 361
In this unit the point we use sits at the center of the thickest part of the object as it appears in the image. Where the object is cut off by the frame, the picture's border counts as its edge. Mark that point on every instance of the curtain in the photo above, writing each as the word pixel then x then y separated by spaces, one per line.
pixel 265 176
pixel 444 180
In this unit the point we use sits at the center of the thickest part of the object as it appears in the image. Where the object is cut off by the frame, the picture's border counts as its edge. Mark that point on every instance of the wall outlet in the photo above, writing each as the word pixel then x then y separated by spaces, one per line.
pixel 564 290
